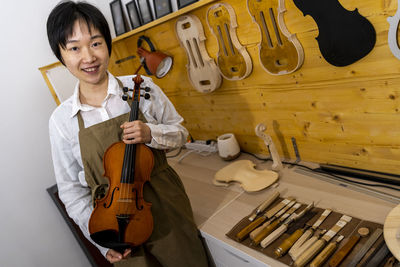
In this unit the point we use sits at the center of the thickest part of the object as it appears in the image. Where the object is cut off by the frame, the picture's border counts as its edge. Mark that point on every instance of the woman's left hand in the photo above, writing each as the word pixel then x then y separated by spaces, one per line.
pixel 135 132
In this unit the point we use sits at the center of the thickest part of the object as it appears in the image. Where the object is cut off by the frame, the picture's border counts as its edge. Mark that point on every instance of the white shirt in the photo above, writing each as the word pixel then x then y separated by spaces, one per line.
pixel 162 118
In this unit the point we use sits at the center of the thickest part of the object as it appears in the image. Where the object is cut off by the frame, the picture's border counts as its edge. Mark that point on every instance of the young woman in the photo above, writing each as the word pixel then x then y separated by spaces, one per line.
pixel 93 118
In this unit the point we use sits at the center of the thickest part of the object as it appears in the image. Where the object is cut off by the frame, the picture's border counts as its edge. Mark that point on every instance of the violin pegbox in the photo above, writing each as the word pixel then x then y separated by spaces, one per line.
pixel 144 92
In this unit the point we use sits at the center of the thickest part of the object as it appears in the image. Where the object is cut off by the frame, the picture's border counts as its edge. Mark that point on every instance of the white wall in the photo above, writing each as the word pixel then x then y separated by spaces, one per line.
pixel 32 232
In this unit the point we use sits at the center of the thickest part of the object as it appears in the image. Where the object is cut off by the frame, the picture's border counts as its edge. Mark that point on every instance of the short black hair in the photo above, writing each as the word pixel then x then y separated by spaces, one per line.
pixel 60 24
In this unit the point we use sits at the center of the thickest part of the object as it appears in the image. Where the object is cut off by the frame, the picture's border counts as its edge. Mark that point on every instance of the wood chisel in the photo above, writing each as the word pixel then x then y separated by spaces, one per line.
pixel 274 224
pixel 339 256
pixel 267 215
pixel 310 253
pixel 326 252
pixel 297 230
pixel 256 231
pixel 264 205
pixel 307 238
pixel 284 226
pixel 367 245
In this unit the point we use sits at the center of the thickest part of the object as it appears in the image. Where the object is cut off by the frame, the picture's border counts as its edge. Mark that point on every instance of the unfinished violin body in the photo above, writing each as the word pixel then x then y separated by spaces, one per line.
pixel 243 172
pixel 344 36
pixel 233 60
pixel 279 51
pixel 202 71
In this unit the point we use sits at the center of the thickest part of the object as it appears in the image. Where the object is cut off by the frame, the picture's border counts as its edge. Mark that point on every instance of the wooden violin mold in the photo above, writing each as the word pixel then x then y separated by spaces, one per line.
pixel 392 34
pixel 233 60
pixel 202 71
pixel 280 52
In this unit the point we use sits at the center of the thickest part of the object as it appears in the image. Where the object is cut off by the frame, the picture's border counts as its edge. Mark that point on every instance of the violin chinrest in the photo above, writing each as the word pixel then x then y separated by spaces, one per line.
pixel 243 172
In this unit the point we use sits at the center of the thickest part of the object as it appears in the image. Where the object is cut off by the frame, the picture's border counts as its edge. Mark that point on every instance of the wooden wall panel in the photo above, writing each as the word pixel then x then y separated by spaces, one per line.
pixel 340 115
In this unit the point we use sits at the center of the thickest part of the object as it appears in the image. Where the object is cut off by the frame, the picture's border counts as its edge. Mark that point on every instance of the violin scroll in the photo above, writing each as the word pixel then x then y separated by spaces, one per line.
pixel 277 164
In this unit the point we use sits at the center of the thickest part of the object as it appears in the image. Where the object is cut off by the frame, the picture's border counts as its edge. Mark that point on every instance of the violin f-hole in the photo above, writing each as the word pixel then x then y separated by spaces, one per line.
pixel 112 197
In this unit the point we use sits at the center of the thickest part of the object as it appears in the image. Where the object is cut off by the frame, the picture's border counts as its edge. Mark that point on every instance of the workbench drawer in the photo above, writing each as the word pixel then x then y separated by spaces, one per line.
pixel 225 255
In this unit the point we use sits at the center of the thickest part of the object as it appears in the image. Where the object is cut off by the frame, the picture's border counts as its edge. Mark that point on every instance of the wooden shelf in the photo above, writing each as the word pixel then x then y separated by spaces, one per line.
pixel 163 19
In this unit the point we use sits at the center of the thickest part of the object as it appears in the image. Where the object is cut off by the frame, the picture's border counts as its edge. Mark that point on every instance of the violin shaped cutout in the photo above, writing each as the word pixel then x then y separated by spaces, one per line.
pixel 233 60
pixel 344 36
pixel 202 71
pixel 393 32
pixel 280 52
pixel 243 172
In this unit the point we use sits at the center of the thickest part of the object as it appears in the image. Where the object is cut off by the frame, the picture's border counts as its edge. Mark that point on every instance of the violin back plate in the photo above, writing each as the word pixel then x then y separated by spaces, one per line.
pixel 202 71
pixel 279 51
pixel 243 172
pixel 344 36
pixel 233 60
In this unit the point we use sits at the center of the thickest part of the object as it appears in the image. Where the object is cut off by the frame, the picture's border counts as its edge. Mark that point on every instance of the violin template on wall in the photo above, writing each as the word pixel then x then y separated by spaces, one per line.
pixel 392 35
pixel 344 36
pixel 202 71
pixel 233 60
pixel 279 51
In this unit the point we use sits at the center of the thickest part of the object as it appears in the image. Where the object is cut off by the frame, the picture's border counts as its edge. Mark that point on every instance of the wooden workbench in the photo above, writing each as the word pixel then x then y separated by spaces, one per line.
pixel 218 209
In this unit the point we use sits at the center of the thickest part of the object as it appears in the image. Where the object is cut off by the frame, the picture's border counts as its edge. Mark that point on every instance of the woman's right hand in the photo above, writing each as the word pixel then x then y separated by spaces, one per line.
pixel 114 256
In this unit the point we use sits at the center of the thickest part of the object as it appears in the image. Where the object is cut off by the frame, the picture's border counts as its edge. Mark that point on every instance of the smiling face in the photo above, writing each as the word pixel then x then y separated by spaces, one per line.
pixel 86 56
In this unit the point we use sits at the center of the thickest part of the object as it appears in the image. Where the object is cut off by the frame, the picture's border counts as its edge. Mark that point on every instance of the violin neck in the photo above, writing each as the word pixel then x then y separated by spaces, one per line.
pixel 128 167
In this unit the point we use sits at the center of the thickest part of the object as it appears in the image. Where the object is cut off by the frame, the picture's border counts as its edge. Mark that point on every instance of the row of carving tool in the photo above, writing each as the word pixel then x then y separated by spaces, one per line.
pixel 308 243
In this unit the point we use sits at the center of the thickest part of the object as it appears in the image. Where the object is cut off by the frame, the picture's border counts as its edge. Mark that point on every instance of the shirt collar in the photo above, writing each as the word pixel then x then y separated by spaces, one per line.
pixel 113 89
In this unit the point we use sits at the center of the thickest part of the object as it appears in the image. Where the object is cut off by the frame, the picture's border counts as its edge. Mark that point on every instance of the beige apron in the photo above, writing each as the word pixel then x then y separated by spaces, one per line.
pixel 175 240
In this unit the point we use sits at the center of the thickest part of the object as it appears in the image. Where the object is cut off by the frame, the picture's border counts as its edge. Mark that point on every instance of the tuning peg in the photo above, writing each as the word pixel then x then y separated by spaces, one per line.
pixel 125 89
pixel 147 89
pixel 125 97
pixel 146 96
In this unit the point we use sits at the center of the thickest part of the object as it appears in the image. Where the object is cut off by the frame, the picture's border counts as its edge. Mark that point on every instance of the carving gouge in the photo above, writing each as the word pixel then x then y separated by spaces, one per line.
pixel 267 215
pixel 326 252
pixel 264 205
pixel 307 239
pixel 281 229
pixel 319 244
pixel 273 225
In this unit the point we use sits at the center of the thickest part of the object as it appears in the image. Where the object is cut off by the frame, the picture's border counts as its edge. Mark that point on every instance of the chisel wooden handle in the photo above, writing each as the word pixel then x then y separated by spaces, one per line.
pixel 310 253
pixel 288 242
pixel 274 235
pixel 304 247
pixel 246 230
pixel 266 231
pixel 324 255
pixel 256 231
pixel 299 243
pixel 342 253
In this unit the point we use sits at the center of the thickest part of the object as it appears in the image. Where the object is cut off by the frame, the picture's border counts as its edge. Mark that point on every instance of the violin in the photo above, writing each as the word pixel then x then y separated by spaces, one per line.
pixel 279 51
pixel 233 60
pixel 122 218
pixel 202 70
pixel 344 36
